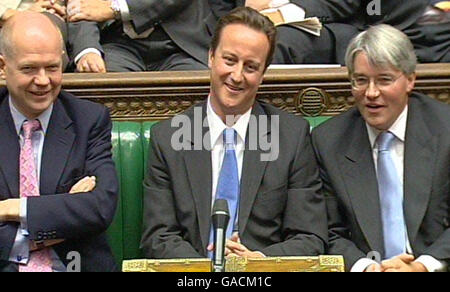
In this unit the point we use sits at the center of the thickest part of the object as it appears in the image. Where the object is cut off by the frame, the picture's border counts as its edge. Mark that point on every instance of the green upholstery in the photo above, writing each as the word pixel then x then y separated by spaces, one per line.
pixel 130 142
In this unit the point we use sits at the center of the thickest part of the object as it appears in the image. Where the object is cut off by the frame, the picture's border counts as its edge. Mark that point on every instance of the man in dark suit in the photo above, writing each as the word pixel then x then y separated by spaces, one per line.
pixel 280 211
pixel 51 219
pixel 345 19
pixel 387 202
pixel 135 35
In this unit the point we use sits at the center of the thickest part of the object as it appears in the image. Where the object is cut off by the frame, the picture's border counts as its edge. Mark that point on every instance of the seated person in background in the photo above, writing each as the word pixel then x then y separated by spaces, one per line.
pixel 50 141
pixel 273 192
pixel 136 35
pixel 345 19
pixel 385 163
pixel 52 8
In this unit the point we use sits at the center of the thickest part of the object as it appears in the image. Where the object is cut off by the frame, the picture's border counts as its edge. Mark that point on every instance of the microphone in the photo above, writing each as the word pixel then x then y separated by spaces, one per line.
pixel 220 218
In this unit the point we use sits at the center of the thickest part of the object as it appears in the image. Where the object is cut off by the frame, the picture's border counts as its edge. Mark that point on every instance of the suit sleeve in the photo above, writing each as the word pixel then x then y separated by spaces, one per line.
pixel 339 234
pixel 304 226
pixel 145 14
pixel 162 235
pixel 221 7
pixel 83 35
pixel 66 216
pixel 330 10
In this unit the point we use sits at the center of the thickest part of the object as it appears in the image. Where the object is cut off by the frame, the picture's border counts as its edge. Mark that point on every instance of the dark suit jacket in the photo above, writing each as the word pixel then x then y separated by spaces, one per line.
pixel 350 185
pixel 345 19
pixel 281 211
pixel 189 24
pixel 77 144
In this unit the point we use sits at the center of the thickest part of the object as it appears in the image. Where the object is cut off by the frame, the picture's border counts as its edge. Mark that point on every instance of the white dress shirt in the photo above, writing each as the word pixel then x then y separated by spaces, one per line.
pixel 20 252
pixel 397 150
pixel 216 128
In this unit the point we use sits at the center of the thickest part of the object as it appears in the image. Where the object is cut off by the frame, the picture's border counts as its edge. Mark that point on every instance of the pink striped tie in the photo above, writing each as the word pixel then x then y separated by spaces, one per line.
pixel 40 261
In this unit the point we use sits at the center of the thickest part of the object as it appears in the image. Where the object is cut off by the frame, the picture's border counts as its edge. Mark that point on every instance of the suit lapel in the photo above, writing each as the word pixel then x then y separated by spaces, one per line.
pixel 58 143
pixel 9 147
pixel 419 161
pixel 199 171
pixel 253 170
pixel 359 175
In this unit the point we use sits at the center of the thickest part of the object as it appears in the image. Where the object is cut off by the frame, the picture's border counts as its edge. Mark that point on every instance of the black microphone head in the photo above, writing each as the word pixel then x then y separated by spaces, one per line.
pixel 220 215
pixel 220 207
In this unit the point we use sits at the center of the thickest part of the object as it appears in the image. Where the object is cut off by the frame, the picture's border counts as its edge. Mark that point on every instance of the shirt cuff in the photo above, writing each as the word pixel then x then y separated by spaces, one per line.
pixel 124 10
pixel 361 265
pixel 86 51
pixel 292 13
pixel 20 252
pixel 23 216
pixel 432 264
pixel 278 3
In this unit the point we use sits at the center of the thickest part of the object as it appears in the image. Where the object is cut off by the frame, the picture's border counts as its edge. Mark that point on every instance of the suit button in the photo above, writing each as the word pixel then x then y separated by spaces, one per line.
pixel 446 223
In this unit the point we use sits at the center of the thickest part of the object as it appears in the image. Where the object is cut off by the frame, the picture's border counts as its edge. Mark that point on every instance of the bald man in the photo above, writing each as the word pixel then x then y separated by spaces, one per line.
pixel 58 185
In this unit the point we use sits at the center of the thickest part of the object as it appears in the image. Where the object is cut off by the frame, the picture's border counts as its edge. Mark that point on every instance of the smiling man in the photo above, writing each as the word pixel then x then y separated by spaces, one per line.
pixel 275 206
pixel 385 163
pixel 58 185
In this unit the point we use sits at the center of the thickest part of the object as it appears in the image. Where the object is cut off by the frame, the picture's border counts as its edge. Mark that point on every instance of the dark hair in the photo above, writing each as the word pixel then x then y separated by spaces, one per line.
pixel 251 18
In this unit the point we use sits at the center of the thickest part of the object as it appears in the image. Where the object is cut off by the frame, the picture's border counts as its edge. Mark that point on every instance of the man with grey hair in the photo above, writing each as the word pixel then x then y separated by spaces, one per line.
pixel 385 163
pixel 58 184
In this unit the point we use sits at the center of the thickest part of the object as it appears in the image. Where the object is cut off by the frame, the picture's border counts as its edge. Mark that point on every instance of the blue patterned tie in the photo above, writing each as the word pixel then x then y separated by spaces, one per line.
pixel 228 184
pixel 391 199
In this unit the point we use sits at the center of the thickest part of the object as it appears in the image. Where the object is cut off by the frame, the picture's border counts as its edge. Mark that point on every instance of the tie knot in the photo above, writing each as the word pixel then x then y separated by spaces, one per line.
pixel 384 141
pixel 29 127
pixel 229 138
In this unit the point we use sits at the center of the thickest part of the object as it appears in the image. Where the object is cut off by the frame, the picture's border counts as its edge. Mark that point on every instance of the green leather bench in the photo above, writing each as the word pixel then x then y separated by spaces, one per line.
pixel 130 142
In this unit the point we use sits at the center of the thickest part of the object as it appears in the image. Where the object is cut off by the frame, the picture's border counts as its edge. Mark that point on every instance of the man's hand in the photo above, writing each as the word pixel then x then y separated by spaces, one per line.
pixel 89 10
pixel 234 247
pixel 258 5
pixel 403 263
pixel 50 6
pixel 10 210
pixel 85 185
pixel 46 243
pixel 91 63
pixel 374 268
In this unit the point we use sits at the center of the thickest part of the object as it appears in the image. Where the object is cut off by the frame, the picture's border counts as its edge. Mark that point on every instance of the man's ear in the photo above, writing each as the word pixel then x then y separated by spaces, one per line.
pixel 411 82
pixel 2 67
pixel 210 57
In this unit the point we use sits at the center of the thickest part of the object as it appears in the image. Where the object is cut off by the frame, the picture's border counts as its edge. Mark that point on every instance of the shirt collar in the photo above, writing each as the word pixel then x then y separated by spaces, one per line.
pixel 398 128
pixel 216 125
pixel 19 118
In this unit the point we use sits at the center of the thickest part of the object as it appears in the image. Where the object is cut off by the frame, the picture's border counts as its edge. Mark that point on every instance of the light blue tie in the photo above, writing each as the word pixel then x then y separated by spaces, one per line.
pixel 391 199
pixel 228 184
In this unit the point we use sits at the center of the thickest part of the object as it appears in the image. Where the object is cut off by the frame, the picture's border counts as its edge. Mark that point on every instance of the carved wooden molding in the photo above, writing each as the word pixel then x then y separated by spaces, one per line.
pixel 323 263
pixel 305 92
